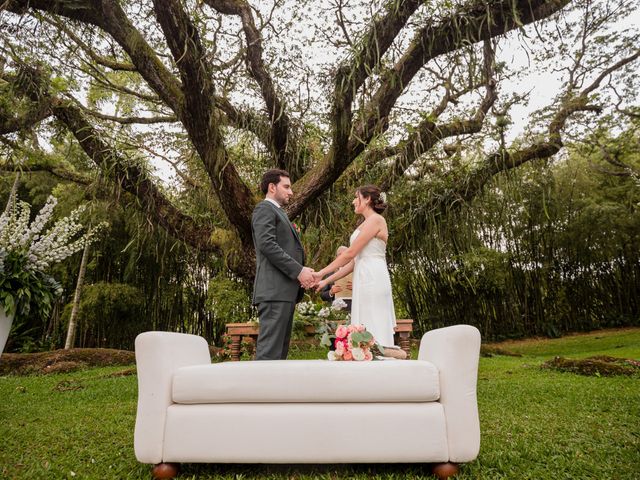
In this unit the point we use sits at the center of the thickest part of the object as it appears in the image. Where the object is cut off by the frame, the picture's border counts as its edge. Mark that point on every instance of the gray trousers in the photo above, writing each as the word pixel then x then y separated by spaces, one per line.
pixel 276 321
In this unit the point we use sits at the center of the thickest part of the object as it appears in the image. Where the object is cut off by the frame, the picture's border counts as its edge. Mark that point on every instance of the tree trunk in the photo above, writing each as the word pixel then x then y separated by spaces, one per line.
pixel 71 331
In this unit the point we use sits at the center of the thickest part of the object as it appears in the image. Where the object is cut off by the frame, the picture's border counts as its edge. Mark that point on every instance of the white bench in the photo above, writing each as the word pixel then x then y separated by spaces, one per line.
pixel 307 411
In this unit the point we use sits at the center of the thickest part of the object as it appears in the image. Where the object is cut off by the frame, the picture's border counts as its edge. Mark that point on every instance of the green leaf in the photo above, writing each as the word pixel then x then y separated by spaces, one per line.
pixel 325 341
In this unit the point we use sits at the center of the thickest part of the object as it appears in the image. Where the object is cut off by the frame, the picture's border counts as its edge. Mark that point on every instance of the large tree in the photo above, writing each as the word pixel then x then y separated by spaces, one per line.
pixel 405 93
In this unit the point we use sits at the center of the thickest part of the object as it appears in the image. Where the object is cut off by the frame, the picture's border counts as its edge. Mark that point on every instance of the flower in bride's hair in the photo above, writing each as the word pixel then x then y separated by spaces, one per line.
pixel 383 197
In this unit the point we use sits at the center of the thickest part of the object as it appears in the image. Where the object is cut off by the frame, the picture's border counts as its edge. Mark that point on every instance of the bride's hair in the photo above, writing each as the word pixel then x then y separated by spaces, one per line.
pixel 375 194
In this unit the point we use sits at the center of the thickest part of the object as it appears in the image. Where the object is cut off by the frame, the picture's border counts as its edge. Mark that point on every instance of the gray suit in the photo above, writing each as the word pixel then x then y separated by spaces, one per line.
pixel 276 289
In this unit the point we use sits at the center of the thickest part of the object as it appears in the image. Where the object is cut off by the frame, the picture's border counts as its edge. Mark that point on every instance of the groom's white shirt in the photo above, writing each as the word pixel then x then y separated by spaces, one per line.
pixel 273 201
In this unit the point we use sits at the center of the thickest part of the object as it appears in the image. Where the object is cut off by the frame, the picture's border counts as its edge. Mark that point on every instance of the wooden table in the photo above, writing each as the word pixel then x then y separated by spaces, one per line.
pixel 250 331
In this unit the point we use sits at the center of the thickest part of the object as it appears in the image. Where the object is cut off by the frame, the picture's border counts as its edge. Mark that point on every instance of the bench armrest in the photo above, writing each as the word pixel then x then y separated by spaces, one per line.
pixel 158 354
pixel 455 351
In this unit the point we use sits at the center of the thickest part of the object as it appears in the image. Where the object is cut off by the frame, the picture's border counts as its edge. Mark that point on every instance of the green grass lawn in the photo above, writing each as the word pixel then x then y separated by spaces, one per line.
pixel 535 423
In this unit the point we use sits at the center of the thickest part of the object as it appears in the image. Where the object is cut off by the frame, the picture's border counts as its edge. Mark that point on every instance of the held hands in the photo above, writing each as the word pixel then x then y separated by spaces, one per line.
pixel 307 278
pixel 319 283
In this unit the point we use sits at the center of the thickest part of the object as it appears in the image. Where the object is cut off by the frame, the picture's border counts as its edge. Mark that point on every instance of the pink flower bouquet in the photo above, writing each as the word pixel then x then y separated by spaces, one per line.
pixel 352 342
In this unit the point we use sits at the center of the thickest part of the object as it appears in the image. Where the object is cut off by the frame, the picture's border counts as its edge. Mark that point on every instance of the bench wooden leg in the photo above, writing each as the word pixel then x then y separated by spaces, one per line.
pixel 164 471
pixel 445 470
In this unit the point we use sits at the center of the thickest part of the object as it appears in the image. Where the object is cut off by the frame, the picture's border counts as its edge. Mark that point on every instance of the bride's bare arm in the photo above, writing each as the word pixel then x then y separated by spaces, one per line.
pixel 343 272
pixel 369 229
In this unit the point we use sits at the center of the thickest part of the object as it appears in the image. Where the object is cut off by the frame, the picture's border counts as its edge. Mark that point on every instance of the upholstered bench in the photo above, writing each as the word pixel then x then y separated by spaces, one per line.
pixel 307 411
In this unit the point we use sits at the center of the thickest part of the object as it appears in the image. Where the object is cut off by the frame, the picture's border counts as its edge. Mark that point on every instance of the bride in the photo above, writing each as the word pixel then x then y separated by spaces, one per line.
pixel 372 302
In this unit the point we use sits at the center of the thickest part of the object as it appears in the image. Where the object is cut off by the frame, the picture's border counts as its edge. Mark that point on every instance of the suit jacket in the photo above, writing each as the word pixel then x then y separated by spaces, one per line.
pixel 279 256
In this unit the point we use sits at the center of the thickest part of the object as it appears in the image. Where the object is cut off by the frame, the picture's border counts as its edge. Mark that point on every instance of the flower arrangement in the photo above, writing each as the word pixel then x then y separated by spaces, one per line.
pixel 322 318
pixel 306 308
pixel 310 313
pixel 339 304
pixel 318 319
pixel 27 252
pixel 352 343
pixel 314 310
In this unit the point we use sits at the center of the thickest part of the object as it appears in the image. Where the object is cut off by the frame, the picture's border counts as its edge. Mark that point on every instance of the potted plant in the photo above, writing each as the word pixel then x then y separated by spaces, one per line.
pixel 27 252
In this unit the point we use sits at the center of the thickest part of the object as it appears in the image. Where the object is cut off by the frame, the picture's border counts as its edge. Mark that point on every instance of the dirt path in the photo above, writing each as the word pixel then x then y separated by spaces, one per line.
pixel 60 361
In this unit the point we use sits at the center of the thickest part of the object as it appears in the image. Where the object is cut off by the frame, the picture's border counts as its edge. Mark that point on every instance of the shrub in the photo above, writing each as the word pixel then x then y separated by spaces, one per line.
pixel 229 301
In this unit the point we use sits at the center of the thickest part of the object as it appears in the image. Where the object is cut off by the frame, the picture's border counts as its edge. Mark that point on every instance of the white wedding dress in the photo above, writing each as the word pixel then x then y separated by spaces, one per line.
pixel 372 301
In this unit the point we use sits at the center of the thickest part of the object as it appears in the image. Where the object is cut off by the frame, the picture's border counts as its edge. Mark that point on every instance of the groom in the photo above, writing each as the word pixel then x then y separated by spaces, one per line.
pixel 280 274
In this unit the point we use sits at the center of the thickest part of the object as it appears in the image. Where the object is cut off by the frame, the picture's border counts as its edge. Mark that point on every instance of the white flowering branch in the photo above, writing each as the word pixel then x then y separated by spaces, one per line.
pixel 41 248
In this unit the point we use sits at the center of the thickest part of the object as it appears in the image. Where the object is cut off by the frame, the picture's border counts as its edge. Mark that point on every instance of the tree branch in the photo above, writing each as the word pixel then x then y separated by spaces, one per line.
pixel 280 141
pixel 132 178
pixel 13 123
pixel 505 160
pixel 245 120
pixel 127 120
pixel 38 162
pixel 99 59
pixel 122 171
pixel 427 133
pixel 608 71
pixel 104 81
pixel 375 43
pixel 200 118
pixel 109 16
pixel 470 24
pixel 351 75
pixel 29 85
pixel 184 42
